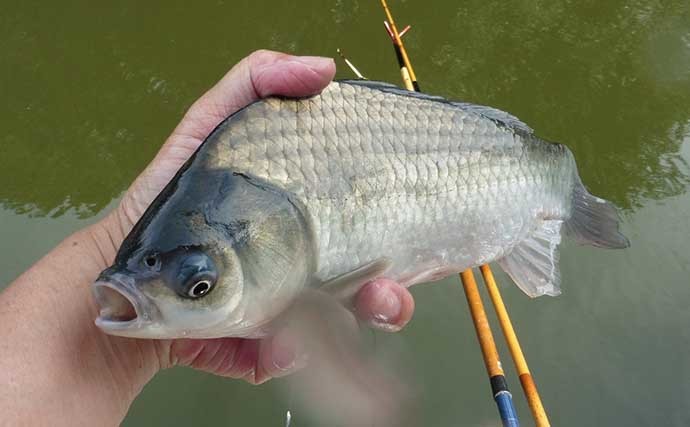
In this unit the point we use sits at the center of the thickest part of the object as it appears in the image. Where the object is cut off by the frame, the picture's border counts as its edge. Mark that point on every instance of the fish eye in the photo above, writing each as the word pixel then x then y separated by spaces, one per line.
pixel 151 260
pixel 200 288
pixel 196 275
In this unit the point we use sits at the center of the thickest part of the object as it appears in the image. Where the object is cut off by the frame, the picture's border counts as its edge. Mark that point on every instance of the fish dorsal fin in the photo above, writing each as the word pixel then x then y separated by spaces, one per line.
pixel 346 286
pixel 497 116
pixel 533 264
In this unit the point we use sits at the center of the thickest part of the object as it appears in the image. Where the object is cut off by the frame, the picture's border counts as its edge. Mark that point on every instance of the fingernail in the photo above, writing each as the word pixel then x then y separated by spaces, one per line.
pixel 283 356
pixel 313 61
pixel 287 356
pixel 386 306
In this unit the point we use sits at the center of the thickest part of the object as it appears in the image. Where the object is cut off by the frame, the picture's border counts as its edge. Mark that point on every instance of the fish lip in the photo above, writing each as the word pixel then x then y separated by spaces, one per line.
pixel 124 286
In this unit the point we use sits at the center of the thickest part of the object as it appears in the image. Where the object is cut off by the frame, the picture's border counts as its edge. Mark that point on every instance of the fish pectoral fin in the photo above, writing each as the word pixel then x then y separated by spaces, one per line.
pixel 346 286
pixel 533 264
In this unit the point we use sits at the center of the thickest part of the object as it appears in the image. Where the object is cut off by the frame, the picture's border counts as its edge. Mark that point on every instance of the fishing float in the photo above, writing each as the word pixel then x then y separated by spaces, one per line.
pixel 499 386
pixel 406 70
pixel 351 65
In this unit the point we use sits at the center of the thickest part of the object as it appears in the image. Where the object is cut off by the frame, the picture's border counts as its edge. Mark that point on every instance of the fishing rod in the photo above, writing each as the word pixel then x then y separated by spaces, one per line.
pixel 526 381
pixel 497 379
pixel 499 386
pixel 406 70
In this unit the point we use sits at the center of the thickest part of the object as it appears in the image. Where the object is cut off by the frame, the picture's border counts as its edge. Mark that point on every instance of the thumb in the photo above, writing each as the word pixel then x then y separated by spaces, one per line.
pixel 261 74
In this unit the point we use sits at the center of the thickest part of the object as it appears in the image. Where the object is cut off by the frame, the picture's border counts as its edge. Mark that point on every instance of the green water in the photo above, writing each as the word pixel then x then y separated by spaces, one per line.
pixel 90 90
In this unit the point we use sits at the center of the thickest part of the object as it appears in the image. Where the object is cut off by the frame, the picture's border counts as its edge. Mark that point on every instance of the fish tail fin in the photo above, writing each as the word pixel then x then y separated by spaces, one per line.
pixel 594 221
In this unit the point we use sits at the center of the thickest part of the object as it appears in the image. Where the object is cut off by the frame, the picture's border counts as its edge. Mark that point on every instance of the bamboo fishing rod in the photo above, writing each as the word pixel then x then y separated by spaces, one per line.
pixel 526 381
pixel 497 379
pixel 499 386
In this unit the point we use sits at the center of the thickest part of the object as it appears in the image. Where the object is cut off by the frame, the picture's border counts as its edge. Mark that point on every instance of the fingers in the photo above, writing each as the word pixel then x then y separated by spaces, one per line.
pixel 255 361
pixel 280 355
pixel 385 305
pixel 257 76
pixel 227 357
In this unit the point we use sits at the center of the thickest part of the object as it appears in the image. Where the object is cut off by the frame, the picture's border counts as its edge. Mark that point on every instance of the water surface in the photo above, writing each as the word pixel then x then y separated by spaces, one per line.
pixel 91 90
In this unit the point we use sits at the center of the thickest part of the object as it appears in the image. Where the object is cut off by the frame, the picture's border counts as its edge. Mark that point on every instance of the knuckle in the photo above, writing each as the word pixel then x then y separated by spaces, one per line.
pixel 262 56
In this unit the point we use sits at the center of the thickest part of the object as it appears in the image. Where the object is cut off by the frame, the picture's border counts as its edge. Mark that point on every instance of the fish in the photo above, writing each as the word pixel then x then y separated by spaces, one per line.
pixel 328 192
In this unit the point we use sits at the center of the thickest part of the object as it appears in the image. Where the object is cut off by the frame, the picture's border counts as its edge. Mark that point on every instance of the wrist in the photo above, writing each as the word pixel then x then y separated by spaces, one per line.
pixel 138 359
pixel 107 235
pixel 53 358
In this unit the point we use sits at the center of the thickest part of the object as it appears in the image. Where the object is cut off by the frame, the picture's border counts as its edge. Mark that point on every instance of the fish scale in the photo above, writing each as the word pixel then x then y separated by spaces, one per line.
pixel 425 183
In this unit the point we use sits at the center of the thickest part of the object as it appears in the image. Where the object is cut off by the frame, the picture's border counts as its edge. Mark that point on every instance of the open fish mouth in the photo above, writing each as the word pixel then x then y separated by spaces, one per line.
pixel 120 310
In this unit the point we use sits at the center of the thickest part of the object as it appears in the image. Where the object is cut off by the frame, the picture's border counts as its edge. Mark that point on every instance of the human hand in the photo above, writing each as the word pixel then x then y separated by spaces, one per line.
pixel 58 368
pixel 383 303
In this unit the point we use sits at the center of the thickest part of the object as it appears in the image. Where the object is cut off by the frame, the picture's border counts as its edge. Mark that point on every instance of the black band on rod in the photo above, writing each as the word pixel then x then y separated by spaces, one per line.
pixel 398 55
pixel 498 384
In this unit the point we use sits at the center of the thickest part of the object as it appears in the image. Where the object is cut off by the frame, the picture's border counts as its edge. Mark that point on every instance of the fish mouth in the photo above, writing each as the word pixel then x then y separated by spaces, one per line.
pixel 121 310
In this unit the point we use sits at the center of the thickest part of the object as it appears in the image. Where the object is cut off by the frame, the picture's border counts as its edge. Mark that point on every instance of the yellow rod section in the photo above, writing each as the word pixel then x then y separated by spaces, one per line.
pixel 528 385
pixel 481 324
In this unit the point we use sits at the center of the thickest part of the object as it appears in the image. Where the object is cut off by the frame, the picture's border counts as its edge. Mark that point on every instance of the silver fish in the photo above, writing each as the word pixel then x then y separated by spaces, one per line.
pixel 328 192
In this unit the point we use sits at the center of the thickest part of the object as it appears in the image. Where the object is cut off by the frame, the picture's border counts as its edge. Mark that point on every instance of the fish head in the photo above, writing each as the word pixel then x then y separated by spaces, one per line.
pixel 218 259
pixel 162 294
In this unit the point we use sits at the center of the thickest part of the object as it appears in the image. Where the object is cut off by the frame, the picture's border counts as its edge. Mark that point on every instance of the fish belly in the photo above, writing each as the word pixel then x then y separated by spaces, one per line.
pixel 475 215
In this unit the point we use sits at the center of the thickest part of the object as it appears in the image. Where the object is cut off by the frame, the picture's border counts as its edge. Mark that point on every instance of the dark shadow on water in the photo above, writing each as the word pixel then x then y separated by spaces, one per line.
pixel 91 92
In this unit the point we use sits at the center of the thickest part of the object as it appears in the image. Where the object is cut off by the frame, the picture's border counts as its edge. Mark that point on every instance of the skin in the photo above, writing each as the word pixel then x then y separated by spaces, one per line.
pixel 57 368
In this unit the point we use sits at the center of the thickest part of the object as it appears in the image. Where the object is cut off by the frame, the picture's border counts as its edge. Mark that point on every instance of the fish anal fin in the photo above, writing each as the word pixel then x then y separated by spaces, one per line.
pixel 533 264
pixel 346 286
